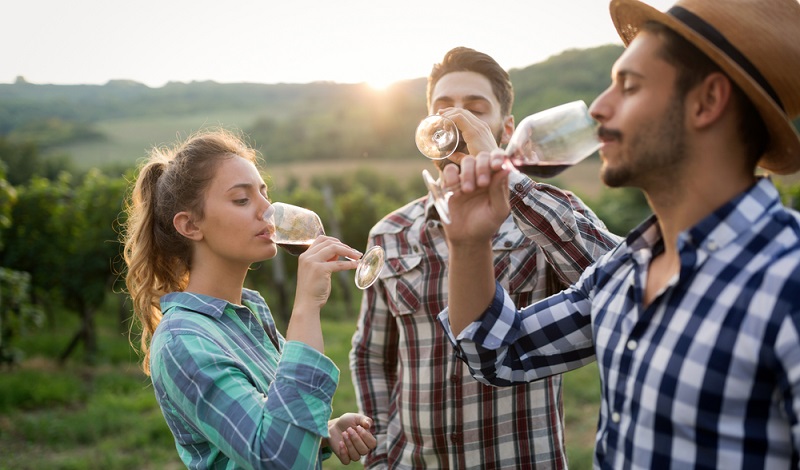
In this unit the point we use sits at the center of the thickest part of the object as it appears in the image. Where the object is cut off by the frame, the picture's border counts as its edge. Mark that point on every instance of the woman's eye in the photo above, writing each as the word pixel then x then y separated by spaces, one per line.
pixel 240 202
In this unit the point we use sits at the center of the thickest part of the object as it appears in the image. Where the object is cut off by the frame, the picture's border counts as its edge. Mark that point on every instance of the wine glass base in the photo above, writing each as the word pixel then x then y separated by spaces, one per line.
pixel 369 267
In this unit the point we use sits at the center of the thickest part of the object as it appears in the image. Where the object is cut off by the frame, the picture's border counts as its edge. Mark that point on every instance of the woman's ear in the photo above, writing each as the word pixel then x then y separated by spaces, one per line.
pixel 185 226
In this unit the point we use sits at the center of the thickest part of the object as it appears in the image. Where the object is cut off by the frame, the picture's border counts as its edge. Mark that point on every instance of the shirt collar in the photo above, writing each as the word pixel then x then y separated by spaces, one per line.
pixel 735 218
pixel 207 305
pixel 719 228
pixel 430 209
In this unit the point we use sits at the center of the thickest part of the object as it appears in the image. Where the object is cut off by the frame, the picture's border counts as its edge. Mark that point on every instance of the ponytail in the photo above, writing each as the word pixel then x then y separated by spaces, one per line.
pixel 158 258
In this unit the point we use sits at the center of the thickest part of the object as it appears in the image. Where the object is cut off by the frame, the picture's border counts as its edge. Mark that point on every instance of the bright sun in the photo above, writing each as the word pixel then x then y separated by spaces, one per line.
pixel 379 83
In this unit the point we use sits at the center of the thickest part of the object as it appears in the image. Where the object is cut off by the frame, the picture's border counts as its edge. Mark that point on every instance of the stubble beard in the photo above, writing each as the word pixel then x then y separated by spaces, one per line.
pixel 654 155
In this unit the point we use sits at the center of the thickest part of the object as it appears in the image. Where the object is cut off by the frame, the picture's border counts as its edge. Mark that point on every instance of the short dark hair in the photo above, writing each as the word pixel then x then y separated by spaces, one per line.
pixel 464 59
pixel 693 66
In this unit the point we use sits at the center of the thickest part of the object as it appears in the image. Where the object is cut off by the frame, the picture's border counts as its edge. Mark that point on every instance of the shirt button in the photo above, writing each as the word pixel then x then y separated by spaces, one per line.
pixel 615 417
pixel 712 245
pixel 431 224
pixel 454 379
pixel 456 438
pixel 415 248
pixel 518 187
pixel 507 244
pixel 632 344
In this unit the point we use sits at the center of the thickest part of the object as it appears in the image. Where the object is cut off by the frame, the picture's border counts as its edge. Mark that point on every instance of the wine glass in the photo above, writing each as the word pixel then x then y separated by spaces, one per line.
pixel 438 137
pixel 543 145
pixel 296 228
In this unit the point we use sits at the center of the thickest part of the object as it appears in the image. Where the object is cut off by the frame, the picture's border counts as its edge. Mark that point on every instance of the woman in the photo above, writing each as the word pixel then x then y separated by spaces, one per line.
pixel 234 392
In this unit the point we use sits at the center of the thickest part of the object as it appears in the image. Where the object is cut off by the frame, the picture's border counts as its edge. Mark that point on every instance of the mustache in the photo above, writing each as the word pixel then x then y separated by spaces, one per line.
pixel 608 134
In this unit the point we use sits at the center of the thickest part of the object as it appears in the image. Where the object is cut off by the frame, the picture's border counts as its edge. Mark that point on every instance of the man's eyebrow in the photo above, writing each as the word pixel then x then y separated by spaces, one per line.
pixel 622 73
pixel 466 98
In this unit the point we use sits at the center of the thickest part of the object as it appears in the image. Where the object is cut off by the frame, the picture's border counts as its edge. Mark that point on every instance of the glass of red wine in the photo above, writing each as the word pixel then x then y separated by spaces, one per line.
pixel 542 146
pixel 296 228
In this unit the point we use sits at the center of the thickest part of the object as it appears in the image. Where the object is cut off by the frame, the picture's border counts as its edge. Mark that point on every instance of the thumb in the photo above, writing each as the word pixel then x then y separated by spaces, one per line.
pixel 498 190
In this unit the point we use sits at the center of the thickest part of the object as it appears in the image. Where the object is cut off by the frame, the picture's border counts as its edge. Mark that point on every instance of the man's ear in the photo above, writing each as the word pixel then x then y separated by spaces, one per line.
pixel 508 129
pixel 710 100
pixel 185 225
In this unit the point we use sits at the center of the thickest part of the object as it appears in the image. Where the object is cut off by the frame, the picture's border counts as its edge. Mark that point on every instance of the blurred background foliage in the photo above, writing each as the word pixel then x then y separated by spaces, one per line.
pixel 71 391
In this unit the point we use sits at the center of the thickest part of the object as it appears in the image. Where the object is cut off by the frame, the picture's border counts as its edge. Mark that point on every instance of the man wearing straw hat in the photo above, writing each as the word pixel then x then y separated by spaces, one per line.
pixel 694 319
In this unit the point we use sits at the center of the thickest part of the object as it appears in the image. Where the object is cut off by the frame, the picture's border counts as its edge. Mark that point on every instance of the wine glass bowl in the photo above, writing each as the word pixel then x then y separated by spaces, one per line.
pixel 548 142
pixel 296 228
pixel 438 137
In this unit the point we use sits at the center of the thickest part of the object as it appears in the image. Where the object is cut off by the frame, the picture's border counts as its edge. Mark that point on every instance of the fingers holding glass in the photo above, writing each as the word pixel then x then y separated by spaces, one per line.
pixel 296 228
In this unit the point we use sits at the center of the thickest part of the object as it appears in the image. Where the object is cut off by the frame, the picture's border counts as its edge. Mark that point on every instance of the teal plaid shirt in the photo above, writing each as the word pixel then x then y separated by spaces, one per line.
pixel 234 392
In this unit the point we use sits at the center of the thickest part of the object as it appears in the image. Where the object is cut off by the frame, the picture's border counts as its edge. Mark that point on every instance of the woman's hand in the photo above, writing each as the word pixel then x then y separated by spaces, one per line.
pixel 325 256
pixel 350 437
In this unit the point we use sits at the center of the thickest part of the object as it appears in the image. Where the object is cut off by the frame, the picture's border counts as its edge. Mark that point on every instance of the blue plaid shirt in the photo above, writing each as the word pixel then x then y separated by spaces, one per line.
pixel 707 376
pixel 234 393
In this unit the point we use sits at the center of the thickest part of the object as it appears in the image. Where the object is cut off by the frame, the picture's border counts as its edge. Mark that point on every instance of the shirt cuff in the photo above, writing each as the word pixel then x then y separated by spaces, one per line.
pixel 302 393
pixel 545 207
pixel 492 328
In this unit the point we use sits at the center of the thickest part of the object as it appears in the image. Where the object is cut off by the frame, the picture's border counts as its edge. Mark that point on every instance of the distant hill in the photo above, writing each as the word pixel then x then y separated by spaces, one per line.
pixel 117 122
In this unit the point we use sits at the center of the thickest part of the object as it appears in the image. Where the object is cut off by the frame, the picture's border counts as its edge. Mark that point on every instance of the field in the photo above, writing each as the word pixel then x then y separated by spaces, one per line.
pixel 105 417
pixel 130 139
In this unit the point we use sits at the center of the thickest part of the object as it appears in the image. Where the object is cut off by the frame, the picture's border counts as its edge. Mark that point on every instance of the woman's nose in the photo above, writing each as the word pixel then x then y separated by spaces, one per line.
pixel 267 214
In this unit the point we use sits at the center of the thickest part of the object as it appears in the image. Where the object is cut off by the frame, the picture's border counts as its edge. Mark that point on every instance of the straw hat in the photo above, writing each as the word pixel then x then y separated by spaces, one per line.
pixel 756 42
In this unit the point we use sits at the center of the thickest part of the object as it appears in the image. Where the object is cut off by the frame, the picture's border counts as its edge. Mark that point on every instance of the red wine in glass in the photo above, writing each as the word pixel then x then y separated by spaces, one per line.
pixel 540 169
pixel 296 228
pixel 295 249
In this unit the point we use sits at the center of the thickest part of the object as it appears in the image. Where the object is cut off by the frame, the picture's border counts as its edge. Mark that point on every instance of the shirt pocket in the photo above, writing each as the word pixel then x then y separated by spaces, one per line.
pixel 517 265
pixel 402 281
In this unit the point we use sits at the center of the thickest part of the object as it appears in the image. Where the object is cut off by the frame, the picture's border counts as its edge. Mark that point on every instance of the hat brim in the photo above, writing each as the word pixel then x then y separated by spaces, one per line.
pixel 782 155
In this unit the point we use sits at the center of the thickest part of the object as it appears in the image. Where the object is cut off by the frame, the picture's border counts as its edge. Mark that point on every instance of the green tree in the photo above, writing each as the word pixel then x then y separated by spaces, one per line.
pixel 17 312
pixel 64 236
pixel 92 250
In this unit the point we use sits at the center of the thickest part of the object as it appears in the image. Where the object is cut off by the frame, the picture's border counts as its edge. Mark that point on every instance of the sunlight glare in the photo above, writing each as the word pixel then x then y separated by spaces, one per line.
pixel 379 83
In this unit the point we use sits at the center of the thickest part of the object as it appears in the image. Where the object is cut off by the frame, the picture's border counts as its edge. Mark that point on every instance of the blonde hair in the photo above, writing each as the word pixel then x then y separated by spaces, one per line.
pixel 157 257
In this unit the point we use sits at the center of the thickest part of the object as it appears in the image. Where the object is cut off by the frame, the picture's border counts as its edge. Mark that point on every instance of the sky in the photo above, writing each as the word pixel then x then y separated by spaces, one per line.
pixel 283 41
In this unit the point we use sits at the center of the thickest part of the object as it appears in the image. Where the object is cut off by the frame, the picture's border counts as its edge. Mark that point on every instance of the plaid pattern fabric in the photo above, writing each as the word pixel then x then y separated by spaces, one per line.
pixel 236 394
pixel 707 375
pixel 428 411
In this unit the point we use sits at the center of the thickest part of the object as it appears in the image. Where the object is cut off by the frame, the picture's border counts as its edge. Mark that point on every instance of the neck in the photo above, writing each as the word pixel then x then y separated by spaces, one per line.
pixel 222 282
pixel 693 195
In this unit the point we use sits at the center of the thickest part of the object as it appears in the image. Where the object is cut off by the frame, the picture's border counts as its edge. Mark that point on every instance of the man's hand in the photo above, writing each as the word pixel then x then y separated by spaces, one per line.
pixel 475 132
pixel 481 205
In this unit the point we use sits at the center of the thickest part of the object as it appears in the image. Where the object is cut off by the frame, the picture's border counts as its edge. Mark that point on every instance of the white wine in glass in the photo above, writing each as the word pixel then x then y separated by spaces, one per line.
pixel 296 228
pixel 542 146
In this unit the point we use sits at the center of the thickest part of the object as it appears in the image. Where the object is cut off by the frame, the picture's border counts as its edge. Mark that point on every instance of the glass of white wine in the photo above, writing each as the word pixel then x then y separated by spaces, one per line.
pixel 296 228
pixel 543 145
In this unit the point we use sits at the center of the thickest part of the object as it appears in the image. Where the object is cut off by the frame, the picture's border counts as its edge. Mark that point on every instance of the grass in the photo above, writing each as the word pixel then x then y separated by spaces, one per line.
pixel 105 416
